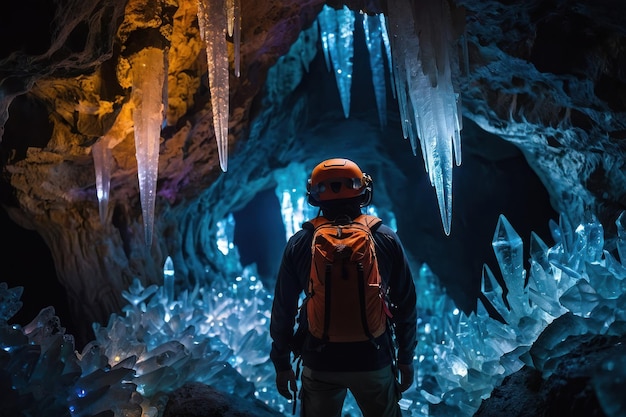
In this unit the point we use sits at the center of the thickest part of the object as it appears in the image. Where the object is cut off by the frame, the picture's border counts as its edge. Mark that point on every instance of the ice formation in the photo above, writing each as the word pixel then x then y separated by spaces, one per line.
pixel 421 67
pixel 233 12
pixel 429 106
pixel 148 97
pixel 337 33
pixel 294 206
pixel 420 52
pixel 214 24
pixel 225 232
pixel 102 165
pixel 374 27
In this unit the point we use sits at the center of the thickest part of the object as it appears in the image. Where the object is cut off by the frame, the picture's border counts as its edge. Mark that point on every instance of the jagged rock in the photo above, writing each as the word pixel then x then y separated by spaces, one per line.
pixel 569 391
pixel 198 400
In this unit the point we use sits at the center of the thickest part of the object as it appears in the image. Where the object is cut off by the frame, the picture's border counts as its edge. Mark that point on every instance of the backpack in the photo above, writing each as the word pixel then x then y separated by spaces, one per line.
pixel 346 300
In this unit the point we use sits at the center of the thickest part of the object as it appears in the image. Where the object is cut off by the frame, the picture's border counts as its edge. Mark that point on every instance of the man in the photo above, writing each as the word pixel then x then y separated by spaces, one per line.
pixel 368 370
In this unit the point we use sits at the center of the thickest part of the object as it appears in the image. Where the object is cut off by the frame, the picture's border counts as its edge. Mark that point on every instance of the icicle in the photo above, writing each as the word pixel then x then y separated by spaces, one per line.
pixel 429 106
pixel 233 12
pixel 230 16
pixel 102 164
pixel 339 22
pixel 148 70
pixel 213 24
pixel 385 35
pixel 326 30
pixel 373 36
pixel 237 36
pixel 403 41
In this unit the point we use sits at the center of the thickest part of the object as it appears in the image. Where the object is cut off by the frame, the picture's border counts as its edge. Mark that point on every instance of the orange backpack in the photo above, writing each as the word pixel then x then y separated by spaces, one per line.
pixel 346 300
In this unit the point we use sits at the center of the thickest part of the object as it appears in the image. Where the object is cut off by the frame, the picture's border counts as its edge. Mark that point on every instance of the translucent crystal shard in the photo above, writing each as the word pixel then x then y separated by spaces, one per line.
pixel 213 23
pixel 102 164
pixel 621 236
pixel 44 325
pixel 538 251
pixel 148 91
pixel 373 39
pixel 508 248
pixel 491 288
pixel 9 301
pixel 580 299
pixel 605 281
pixel 168 269
pixel 387 45
pixel 337 28
pixel 233 13
pixel 543 284
pixel 97 392
pixel 565 233
pixel 588 242
pixel 136 293
pixel 237 35
pixel 562 254
pixel 325 31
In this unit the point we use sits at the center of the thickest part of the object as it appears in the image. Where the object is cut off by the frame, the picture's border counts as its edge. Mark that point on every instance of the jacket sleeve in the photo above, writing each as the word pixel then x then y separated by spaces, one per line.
pixel 292 275
pixel 402 293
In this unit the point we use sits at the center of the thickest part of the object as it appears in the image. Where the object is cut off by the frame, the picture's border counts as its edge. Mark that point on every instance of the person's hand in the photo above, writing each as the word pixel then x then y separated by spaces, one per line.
pixel 407 372
pixel 286 380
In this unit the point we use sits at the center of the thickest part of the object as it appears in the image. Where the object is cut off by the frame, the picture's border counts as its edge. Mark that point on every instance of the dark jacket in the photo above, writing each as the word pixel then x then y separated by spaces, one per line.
pixel 292 281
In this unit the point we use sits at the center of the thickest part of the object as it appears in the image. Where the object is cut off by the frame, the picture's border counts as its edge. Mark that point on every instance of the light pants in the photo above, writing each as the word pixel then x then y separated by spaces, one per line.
pixel 376 392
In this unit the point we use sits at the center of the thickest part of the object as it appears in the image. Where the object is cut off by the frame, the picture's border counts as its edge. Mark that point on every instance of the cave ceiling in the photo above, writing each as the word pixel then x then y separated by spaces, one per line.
pixel 548 77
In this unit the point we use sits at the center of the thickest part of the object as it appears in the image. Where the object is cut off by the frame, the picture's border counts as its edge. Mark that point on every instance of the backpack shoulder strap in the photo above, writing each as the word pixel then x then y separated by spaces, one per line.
pixel 315 222
pixel 370 221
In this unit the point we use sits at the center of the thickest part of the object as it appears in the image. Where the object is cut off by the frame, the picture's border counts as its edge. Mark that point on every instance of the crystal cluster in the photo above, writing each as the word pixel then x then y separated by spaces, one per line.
pixel 162 341
pixel 220 336
pixel 575 287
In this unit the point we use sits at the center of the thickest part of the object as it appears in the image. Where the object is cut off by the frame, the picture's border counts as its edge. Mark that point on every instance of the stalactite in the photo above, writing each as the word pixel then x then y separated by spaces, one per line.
pixel 374 41
pixel 337 28
pixel 422 50
pixel 234 30
pixel 213 22
pixel 148 71
pixel 102 164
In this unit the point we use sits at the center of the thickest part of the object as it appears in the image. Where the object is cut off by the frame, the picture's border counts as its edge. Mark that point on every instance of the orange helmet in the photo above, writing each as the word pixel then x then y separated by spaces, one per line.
pixel 337 179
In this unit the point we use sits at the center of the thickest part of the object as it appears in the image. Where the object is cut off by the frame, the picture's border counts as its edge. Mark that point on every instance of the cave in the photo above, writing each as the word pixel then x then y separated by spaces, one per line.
pixel 540 86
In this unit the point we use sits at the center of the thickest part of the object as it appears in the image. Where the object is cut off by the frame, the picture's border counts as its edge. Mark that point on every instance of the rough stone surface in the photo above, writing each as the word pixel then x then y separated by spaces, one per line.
pixel 198 400
pixel 568 391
